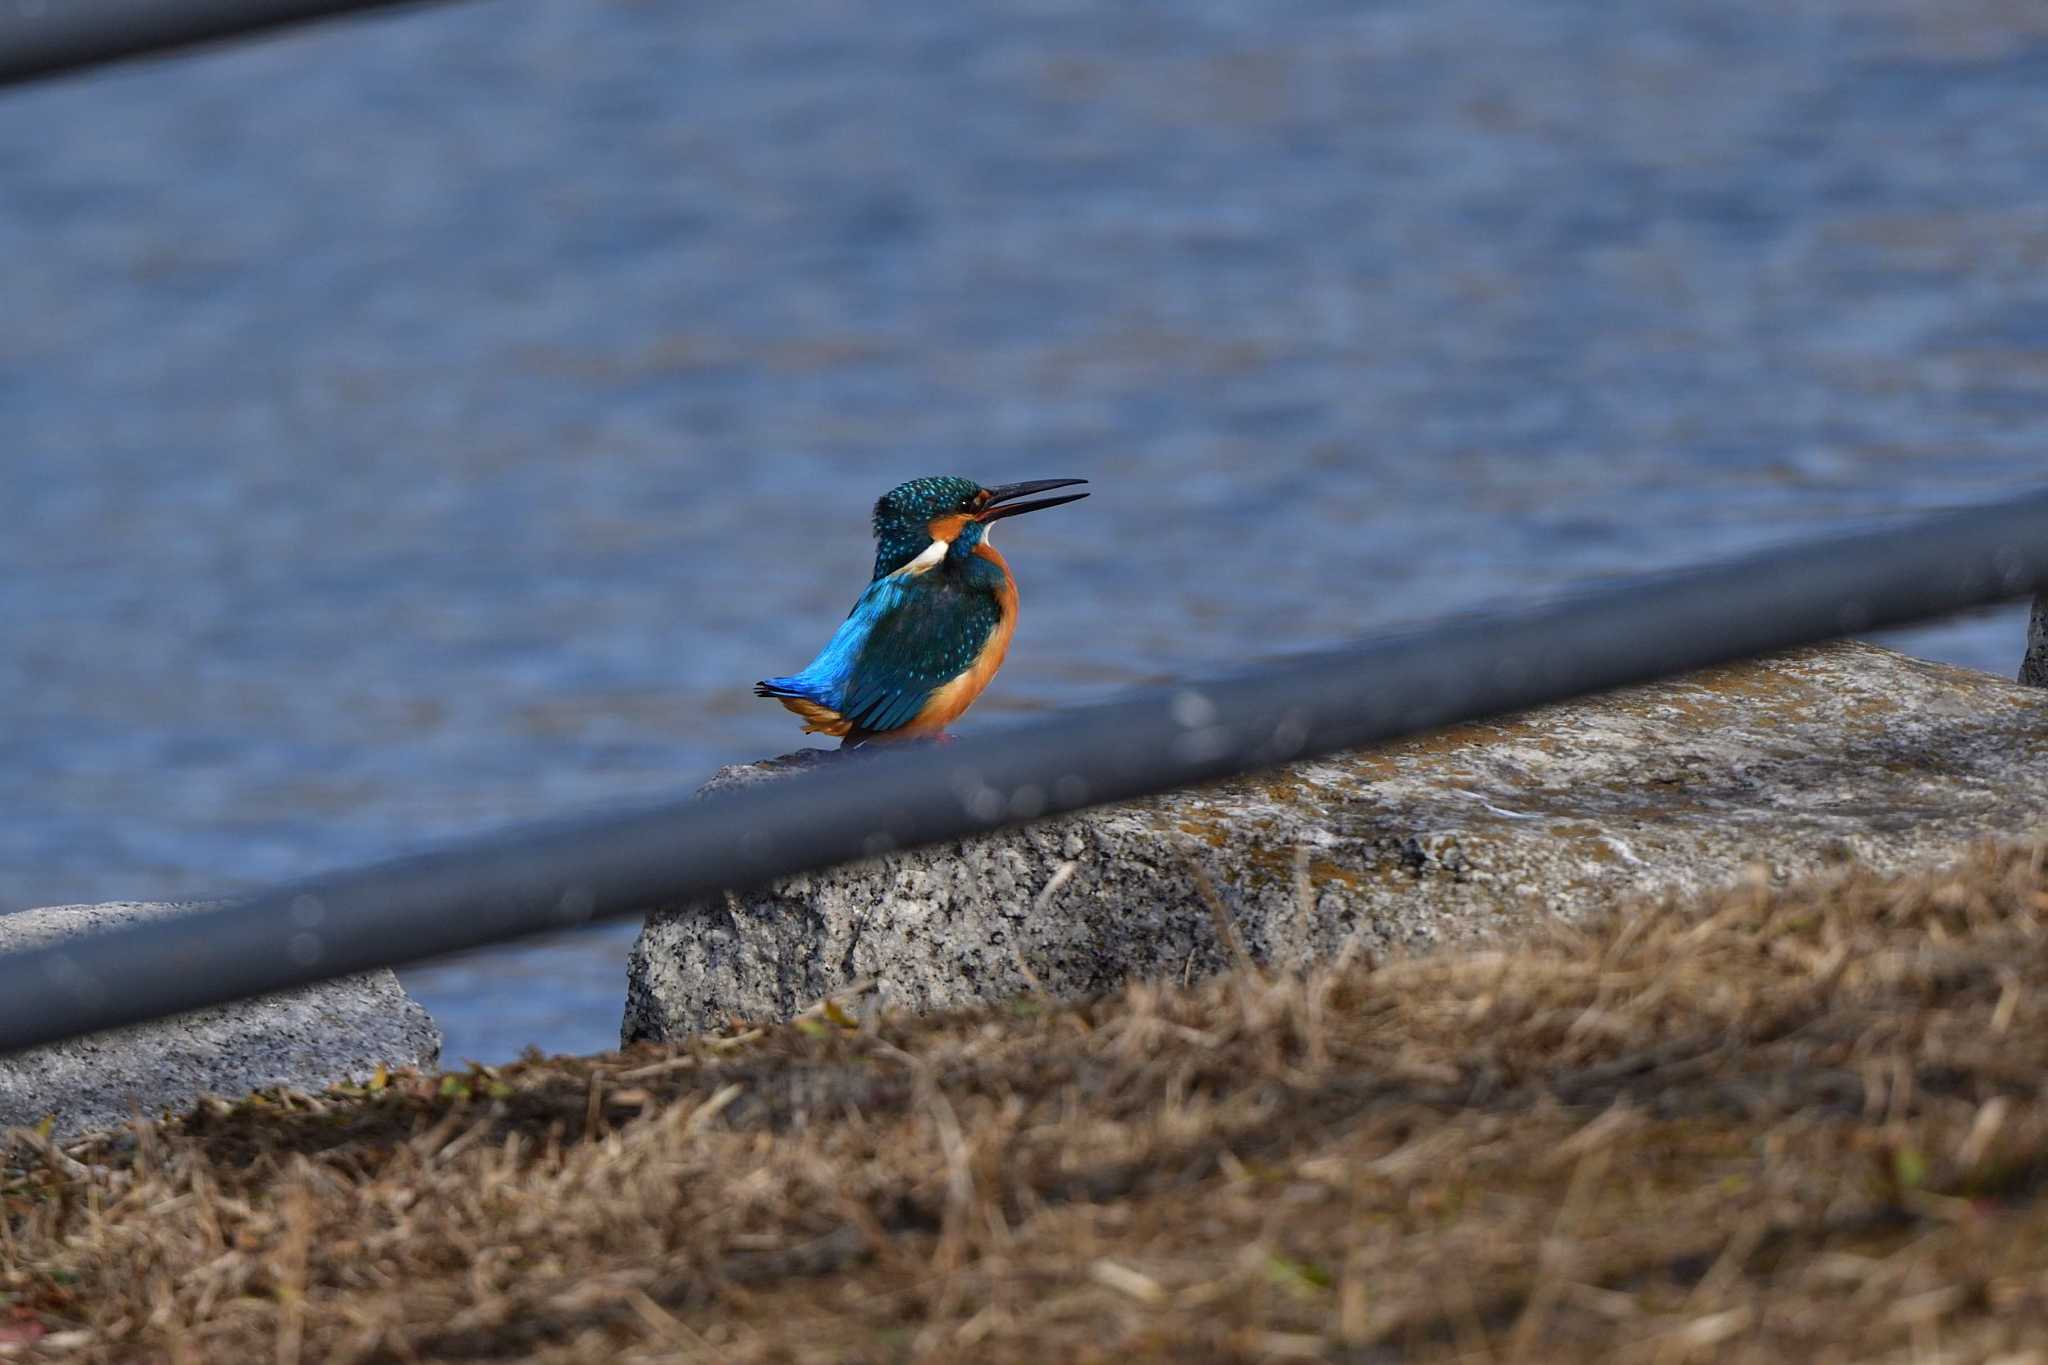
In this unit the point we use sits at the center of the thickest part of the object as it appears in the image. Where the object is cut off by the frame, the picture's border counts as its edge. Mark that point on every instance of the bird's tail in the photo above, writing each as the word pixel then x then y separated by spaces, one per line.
pixel 803 698
pixel 785 687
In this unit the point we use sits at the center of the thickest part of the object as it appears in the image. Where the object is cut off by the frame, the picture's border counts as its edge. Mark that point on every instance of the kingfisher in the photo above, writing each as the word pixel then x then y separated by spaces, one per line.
pixel 931 629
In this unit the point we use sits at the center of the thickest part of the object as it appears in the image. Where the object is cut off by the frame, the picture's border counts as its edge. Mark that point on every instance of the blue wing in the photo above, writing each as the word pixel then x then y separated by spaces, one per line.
pixel 904 638
pixel 824 679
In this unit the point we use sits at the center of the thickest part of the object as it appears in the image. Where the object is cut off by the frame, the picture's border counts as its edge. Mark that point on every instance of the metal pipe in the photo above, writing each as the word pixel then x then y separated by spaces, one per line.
pixel 549 877
pixel 42 38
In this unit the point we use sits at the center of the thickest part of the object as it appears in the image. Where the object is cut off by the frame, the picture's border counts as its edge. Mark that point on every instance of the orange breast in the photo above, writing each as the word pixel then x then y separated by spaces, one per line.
pixel 948 703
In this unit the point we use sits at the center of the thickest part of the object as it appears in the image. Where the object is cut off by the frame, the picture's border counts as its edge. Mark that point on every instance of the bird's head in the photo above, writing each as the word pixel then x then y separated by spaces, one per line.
pixel 912 518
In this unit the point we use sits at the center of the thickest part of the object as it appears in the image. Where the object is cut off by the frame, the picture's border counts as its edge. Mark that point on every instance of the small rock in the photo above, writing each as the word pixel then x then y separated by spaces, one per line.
pixel 306 1039
pixel 1795 763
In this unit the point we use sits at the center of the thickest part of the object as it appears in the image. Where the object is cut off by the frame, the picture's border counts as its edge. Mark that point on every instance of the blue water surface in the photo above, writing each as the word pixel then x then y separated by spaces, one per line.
pixel 415 425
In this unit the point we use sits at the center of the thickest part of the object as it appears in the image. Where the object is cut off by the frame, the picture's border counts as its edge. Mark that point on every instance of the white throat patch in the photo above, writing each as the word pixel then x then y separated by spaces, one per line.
pixel 932 556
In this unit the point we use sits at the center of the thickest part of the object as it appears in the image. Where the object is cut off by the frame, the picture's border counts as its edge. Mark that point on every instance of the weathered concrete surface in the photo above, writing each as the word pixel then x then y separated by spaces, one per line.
pixel 2034 667
pixel 1846 751
pixel 307 1039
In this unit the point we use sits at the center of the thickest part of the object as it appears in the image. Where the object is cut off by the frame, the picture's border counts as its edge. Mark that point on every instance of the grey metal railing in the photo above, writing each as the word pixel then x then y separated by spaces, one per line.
pixel 545 878
pixel 43 38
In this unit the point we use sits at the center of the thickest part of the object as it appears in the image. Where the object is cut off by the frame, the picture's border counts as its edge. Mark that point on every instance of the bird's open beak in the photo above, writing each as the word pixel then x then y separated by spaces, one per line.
pixel 1000 506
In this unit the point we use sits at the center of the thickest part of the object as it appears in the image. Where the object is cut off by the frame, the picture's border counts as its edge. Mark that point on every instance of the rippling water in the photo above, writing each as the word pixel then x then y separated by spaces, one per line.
pixel 417 425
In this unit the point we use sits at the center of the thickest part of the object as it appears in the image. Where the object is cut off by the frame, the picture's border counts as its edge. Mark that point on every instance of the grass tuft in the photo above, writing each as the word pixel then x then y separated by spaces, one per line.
pixel 1779 1123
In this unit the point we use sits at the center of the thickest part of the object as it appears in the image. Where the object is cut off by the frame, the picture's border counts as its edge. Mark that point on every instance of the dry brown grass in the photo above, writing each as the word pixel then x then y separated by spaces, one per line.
pixel 1782 1124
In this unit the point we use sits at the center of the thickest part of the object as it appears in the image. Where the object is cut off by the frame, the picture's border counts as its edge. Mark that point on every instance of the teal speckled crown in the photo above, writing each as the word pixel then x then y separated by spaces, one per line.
pixel 903 517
